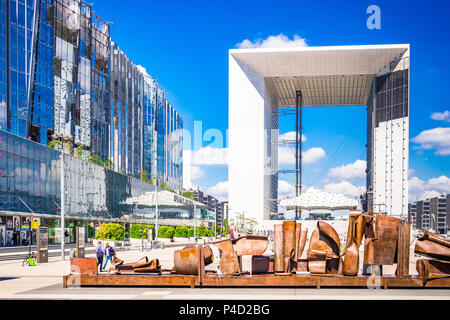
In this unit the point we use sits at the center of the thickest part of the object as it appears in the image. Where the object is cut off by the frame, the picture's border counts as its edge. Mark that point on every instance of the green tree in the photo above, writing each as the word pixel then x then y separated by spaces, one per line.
pixel 134 230
pixel 108 164
pixel 188 194
pixel 240 222
pixel 111 231
pixel 93 158
pixel 79 151
pixel 166 232
pixel 55 144
pixel 251 223
pixel 164 186
pixel 225 228
pixel 181 232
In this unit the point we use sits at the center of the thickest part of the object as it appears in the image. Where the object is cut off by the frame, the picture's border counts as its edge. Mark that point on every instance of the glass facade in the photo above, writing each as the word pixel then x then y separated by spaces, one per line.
pixel 40 127
pixel 169 145
pixel 30 184
pixel 391 96
pixel 62 77
pixel 29 176
pixel 3 65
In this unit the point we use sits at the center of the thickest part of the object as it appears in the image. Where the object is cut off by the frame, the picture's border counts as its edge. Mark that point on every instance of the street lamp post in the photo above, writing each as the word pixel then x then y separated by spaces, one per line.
pixel 63 198
pixel 156 210
pixel 195 222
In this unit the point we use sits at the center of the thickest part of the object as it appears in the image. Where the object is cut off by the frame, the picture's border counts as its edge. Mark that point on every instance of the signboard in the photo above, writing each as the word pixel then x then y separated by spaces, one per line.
pixel 183 200
pixel 42 244
pixel 25 228
pixel 34 224
pixel 43 238
pixel 81 240
pixel 81 237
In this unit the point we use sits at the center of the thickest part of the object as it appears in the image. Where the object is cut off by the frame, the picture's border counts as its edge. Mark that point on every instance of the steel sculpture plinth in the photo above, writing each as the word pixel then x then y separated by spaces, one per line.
pixel 386 242
pixel 83 266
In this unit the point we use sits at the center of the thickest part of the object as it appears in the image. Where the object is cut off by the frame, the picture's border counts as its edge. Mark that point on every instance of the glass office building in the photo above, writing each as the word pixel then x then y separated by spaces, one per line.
pixel 62 77
pixel 169 145
pixel 30 185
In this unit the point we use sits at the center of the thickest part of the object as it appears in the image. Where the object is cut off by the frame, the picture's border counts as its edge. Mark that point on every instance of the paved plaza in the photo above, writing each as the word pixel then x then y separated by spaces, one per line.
pixel 44 281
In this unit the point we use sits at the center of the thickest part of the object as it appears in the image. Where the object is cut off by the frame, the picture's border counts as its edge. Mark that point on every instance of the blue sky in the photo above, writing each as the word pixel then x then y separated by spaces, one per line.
pixel 184 44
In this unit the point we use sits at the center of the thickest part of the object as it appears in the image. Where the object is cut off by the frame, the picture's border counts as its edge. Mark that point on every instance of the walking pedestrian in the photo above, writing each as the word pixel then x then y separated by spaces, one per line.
pixel 100 252
pixel 109 252
pixel 232 231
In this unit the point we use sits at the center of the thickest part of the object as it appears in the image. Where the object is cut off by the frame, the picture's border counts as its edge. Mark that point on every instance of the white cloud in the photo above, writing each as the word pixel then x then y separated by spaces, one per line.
pixel 420 189
pixel 353 170
pixel 286 155
pixel 279 41
pixel 196 173
pixel 312 155
pixel 345 188
pixel 208 156
pixel 285 189
pixel 441 183
pixel 220 190
pixel 289 137
pixel 441 116
pixel 430 194
pixel 437 138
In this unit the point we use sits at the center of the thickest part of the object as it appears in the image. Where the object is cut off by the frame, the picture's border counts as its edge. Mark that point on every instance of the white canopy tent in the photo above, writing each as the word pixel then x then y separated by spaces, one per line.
pixel 314 199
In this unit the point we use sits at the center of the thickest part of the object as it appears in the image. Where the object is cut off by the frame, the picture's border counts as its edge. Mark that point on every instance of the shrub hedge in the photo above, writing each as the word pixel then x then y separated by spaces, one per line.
pixel 134 230
pixel 110 231
pixel 166 232
pixel 181 232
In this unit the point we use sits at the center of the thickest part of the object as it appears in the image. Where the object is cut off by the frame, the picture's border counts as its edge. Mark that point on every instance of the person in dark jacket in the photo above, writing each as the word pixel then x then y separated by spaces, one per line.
pixel 100 252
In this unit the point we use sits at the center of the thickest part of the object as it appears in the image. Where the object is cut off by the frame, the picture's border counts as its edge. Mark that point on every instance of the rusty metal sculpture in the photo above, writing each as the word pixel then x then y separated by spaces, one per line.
pixel 432 269
pixel 232 249
pixel 323 253
pixel 229 262
pixel 142 265
pixel 153 267
pixel 302 242
pixel 433 245
pixel 186 259
pixel 354 238
pixel 278 244
pixel 250 245
pixel 289 246
pixel 381 237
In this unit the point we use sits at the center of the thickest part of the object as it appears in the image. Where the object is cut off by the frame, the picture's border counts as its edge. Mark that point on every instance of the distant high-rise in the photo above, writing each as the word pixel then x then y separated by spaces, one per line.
pixel 62 77
pixel 432 213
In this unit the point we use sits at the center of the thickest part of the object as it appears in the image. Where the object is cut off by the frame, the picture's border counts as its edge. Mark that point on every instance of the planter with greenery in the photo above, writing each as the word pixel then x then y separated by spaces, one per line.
pixel 166 232
pixel 134 230
pixel 110 232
